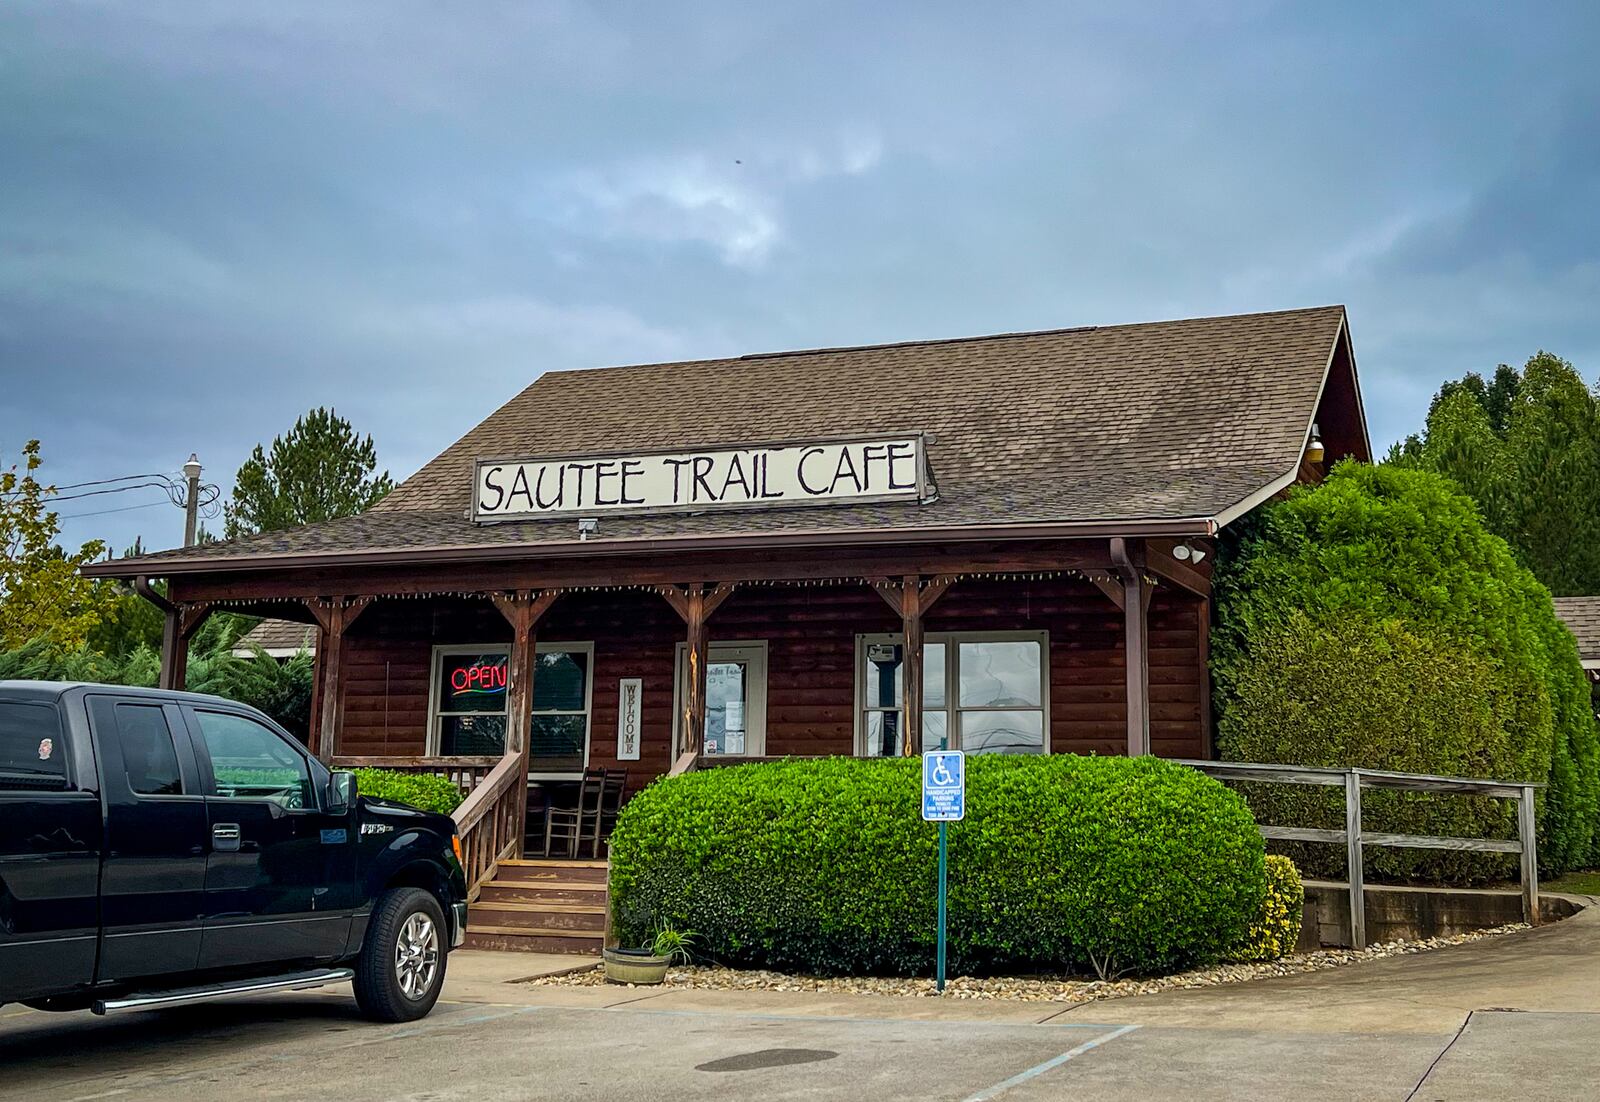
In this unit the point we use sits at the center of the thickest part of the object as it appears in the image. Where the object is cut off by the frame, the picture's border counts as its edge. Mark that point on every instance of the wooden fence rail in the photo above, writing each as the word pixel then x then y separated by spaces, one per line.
pixel 1354 838
pixel 489 821
pixel 466 772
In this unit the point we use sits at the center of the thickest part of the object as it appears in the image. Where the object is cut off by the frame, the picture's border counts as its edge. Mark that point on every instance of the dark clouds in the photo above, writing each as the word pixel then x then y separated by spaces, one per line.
pixel 213 217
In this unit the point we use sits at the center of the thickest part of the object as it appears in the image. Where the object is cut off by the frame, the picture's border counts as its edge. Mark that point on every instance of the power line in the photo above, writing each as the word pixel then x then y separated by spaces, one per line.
pixel 103 512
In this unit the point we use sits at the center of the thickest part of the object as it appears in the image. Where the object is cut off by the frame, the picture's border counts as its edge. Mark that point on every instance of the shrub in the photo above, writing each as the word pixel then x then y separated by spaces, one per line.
pixel 1358 692
pixel 1387 543
pixel 424 791
pixel 1276 929
pixel 824 866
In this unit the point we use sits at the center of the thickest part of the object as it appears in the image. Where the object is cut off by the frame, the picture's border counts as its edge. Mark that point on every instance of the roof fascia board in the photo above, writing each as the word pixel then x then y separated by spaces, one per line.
pixel 1178 527
pixel 1284 481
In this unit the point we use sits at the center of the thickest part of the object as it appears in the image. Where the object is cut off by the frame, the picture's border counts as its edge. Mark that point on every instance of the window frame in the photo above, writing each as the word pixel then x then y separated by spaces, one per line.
pixel 951 640
pixel 755 719
pixel 444 650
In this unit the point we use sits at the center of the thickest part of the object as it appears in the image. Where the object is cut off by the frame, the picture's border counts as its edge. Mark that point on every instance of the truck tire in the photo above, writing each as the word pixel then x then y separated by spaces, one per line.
pixel 401 968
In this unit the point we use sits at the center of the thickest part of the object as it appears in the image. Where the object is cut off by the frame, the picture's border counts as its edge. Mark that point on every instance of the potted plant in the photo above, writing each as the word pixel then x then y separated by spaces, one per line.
pixel 648 965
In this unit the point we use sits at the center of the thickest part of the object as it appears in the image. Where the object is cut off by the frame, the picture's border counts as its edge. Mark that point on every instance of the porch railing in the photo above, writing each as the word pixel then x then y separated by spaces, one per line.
pixel 467 772
pixel 489 821
pixel 1355 838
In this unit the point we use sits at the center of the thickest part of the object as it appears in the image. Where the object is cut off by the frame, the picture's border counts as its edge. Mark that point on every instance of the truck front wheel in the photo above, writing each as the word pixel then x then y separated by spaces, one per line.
pixel 401 968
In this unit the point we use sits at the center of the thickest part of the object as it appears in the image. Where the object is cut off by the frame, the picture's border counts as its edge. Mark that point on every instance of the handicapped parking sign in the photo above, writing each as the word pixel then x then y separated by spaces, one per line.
pixel 944 786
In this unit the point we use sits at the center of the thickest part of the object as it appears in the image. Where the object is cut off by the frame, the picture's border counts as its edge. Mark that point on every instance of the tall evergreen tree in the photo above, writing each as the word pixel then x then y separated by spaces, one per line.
pixel 320 469
pixel 1526 447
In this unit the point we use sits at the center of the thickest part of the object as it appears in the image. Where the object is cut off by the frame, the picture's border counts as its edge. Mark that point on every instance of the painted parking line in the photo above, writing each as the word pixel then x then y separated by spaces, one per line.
pixel 964 1023
pixel 1054 1062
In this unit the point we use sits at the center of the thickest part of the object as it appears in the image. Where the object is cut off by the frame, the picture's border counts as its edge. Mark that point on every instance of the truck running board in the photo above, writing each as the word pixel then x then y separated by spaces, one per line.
pixel 297 981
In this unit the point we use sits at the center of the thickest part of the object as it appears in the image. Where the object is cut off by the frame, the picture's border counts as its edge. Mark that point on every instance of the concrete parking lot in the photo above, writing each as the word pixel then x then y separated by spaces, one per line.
pixel 1514 1017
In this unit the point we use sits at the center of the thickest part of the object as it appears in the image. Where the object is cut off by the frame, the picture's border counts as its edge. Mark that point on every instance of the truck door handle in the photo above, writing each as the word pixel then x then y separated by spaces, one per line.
pixel 225 837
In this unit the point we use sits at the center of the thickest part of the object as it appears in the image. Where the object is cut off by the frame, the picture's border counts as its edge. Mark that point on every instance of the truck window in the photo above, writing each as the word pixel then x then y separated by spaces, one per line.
pixel 252 762
pixel 148 754
pixel 32 751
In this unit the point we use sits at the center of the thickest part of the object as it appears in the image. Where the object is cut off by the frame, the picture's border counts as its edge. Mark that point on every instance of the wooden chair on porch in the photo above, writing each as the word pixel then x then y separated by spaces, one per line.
pixel 606 813
pixel 564 825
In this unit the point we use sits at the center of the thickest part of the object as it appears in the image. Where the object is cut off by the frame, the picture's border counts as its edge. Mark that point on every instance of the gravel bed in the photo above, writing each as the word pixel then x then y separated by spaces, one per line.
pixel 1055 989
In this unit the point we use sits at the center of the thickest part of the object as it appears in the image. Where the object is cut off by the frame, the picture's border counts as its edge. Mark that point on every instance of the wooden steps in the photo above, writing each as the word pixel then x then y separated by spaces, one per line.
pixel 541 906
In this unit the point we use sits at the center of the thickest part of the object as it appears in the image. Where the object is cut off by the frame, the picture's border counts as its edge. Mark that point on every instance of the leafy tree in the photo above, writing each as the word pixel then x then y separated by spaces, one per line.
pixel 280 689
pixel 1386 543
pixel 1526 448
pixel 320 469
pixel 42 595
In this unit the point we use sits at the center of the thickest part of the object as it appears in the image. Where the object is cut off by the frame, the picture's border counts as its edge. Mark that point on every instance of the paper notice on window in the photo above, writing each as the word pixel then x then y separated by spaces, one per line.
pixel 733 717
pixel 733 742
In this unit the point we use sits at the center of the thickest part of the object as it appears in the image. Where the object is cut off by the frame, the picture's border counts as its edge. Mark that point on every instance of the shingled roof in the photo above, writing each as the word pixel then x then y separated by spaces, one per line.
pixel 278 638
pixel 1582 617
pixel 1178 423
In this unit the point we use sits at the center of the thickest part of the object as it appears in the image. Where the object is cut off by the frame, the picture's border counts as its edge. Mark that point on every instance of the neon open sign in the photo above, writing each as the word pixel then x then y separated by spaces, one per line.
pixel 478 679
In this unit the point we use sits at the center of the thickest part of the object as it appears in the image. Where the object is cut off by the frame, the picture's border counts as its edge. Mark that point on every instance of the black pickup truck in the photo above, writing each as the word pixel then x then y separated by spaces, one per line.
pixel 160 848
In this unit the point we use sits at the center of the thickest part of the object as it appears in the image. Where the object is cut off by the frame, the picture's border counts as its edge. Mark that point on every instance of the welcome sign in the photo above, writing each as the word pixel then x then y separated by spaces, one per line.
pixel 817 473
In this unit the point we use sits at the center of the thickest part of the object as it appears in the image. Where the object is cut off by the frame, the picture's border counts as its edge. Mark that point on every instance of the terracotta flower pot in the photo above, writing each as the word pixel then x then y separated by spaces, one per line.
pixel 638 966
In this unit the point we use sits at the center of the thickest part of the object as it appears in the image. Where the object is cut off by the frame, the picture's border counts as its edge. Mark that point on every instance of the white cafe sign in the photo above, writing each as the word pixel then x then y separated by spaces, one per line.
pixel 761 475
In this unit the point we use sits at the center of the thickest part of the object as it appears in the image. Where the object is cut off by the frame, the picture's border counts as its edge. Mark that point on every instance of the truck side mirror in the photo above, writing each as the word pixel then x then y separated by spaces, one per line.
pixel 341 792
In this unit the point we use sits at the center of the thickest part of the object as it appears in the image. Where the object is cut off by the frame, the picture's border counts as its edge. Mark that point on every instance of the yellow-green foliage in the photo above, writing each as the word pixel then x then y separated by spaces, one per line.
pixel 1276 930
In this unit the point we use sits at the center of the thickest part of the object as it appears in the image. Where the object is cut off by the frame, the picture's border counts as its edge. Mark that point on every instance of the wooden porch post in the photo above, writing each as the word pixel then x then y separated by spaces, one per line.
pixel 694 605
pixel 1135 633
pixel 522 611
pixel 334 617
pixel 911 599
pixel 177 628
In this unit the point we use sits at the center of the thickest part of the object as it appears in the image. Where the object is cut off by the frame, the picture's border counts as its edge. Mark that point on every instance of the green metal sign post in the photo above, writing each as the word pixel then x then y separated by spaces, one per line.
pixel 944 875
pixel 944 801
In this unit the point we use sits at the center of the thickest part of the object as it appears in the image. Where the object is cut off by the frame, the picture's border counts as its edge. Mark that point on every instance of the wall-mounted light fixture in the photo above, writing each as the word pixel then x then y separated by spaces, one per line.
pixel 587 525
pixel 1314 450
pixel 1186 553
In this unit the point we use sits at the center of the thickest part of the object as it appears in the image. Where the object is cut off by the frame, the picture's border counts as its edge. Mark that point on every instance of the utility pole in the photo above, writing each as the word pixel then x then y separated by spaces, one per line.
pixel 191 471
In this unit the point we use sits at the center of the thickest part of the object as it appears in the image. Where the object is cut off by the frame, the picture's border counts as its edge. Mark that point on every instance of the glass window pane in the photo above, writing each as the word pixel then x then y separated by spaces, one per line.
pixel 999 675
pixel 557 742
pixel 882 735
pixel 1002 732
pixel 31 750
pixel 253 762
pixel 148 756
pixel 472 735
pixel 935 728
pixel 726 688
pixel 933 675
pixel 883 686
pixel 473 682
pixel 559 680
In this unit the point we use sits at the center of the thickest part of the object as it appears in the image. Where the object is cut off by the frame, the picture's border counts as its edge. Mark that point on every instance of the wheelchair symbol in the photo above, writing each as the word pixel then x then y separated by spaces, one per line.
pixel 940 774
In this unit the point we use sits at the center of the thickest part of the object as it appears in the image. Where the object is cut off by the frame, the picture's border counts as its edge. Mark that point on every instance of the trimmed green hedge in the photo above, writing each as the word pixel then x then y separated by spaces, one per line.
pixel 1276 929
pixel 1378 695
pixel 425 791
pixel 825 866
pixel 1390 544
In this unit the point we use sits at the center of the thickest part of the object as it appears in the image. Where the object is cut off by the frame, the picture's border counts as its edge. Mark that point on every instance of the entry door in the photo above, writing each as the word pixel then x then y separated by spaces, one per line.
pixel 152 885
pixel 736 699
pixel 280 878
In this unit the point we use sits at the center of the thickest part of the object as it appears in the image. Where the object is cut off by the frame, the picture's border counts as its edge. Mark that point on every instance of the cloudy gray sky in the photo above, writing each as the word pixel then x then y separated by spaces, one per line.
pixel 214 216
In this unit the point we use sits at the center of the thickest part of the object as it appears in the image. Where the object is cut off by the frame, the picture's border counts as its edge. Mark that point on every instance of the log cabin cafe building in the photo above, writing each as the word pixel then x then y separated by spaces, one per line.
pixel 1005 542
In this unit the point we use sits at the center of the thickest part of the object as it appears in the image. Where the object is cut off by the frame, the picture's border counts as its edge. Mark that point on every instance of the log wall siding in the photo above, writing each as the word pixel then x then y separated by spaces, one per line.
pixel 810 632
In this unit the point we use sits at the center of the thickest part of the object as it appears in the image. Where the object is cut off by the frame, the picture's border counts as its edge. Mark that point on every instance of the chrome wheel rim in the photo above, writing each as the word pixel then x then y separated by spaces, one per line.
pixel 416 956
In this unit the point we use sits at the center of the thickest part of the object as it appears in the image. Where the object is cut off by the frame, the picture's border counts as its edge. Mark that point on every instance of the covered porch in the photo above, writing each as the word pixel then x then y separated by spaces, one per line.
pixel 515 677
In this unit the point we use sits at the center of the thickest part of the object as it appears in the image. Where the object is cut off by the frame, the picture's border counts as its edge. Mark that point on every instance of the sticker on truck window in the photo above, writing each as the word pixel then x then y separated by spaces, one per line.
pixel 46 748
